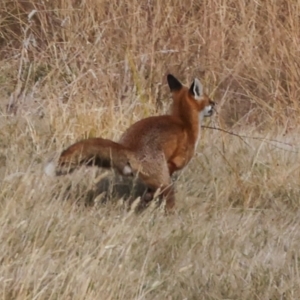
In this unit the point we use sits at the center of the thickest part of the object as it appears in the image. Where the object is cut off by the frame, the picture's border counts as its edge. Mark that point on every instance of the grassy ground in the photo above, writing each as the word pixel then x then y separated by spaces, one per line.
pixel 76 69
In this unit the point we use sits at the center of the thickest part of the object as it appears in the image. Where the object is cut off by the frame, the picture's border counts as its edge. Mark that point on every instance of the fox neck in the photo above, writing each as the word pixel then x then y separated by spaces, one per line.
pixel 190 117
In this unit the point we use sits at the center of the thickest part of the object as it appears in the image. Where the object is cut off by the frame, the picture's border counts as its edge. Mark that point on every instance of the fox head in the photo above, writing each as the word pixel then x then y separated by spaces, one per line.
pixel 193 96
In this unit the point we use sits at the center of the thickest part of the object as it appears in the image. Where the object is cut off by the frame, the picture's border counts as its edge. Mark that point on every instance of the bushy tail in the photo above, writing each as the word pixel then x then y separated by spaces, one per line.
pixel 92 152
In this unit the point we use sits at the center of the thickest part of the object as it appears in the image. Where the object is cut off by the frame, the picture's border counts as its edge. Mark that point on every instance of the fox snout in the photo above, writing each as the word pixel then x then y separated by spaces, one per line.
pixel 209 109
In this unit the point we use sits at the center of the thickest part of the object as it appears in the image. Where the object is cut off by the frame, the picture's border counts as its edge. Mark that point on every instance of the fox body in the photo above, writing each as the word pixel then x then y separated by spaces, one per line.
pixel 152 148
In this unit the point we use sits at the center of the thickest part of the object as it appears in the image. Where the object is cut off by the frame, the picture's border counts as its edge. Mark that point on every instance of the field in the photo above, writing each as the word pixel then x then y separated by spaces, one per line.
pixel 75 69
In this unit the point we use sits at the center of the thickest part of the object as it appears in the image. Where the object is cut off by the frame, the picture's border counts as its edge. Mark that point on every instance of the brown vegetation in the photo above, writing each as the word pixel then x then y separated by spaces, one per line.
pixel 75 69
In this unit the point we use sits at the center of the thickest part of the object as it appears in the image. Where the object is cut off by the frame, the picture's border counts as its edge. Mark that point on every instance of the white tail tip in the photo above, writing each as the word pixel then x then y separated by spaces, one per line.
pixel 127 170
pixel 50 169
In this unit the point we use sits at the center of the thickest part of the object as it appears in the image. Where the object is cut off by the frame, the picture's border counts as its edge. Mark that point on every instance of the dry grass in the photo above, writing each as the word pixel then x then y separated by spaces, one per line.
pixel 75 69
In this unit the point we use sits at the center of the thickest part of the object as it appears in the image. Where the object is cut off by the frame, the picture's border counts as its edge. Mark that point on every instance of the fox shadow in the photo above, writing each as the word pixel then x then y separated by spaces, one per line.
pixel 112 188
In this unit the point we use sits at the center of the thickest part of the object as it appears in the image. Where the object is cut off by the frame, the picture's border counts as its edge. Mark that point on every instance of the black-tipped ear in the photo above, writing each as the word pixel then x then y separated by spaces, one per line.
pixel 174 83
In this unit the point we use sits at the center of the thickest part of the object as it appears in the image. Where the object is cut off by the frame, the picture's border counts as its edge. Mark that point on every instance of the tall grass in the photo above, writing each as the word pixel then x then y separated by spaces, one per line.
pixel 76 69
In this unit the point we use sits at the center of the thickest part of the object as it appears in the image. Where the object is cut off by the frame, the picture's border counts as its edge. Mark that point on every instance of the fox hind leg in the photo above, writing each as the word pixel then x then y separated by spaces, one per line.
pixel 155 174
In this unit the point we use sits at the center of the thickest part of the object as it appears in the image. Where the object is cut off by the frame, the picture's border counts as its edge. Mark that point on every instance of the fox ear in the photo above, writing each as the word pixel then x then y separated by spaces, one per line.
pixel 196 89
pixel 174 83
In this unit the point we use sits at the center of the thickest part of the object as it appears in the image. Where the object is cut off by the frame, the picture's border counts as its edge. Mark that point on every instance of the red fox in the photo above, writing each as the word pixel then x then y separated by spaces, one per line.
pixel 152 148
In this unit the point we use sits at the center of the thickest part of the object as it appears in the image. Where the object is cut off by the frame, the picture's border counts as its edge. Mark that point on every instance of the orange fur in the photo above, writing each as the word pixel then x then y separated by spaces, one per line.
pixel 152 148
